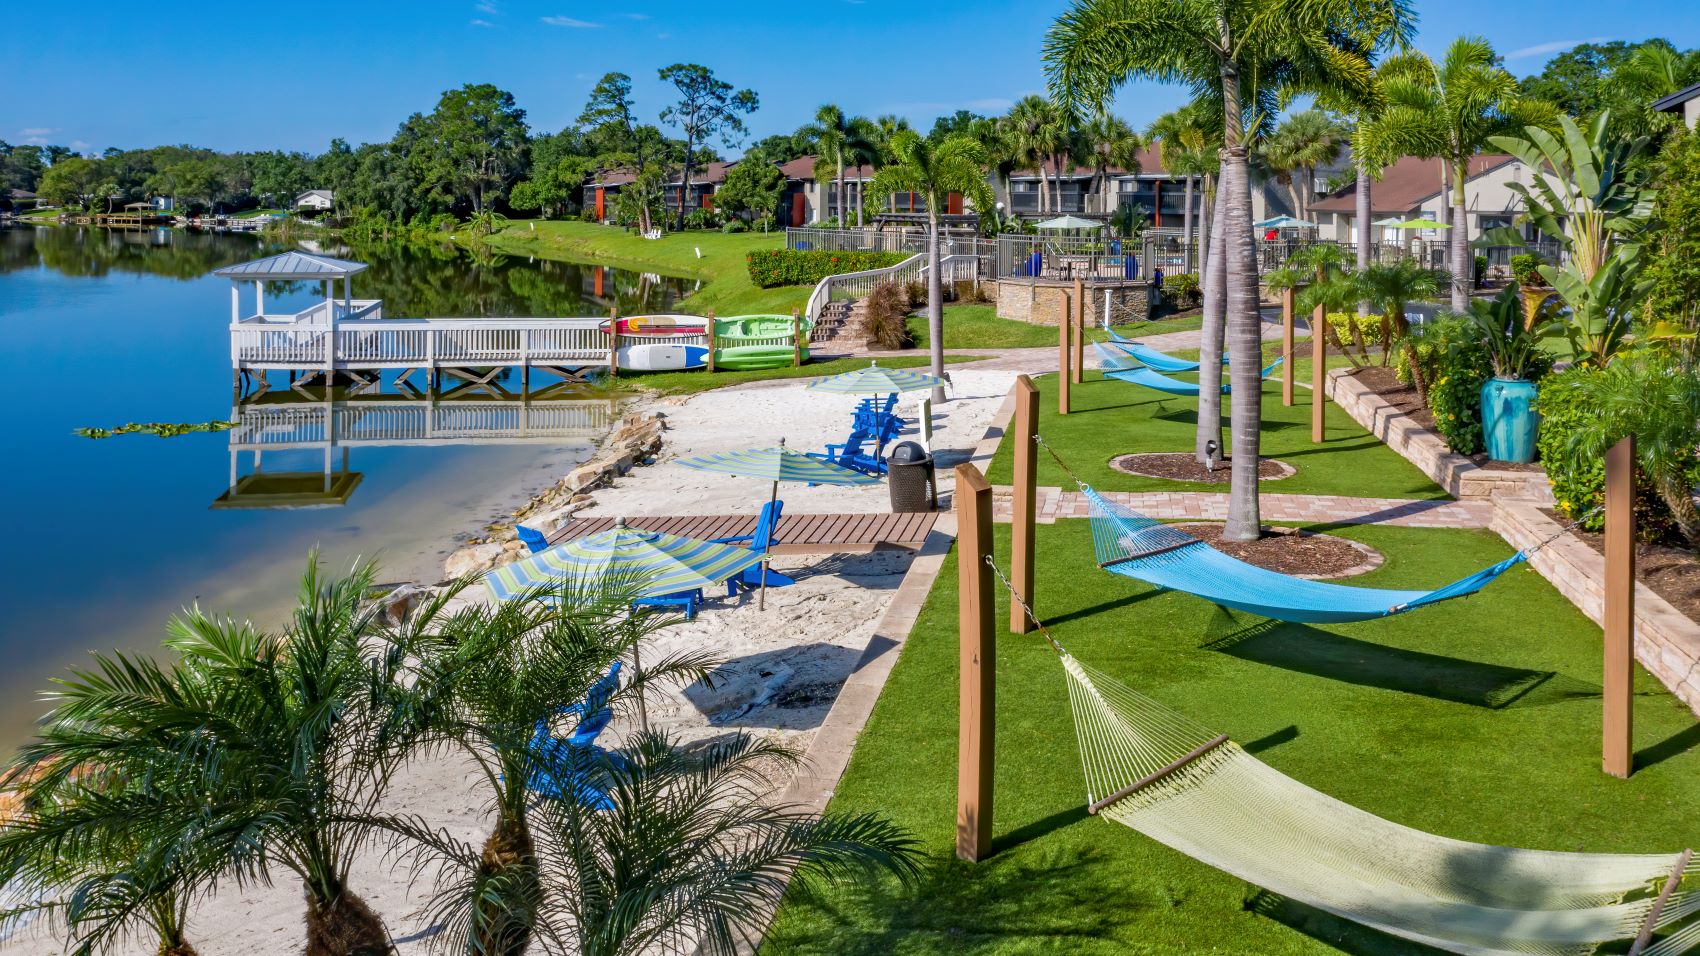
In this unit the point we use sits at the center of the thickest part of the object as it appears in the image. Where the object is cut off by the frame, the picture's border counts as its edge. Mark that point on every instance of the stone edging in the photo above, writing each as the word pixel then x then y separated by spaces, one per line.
pixel 1667 643
pixel 1461 477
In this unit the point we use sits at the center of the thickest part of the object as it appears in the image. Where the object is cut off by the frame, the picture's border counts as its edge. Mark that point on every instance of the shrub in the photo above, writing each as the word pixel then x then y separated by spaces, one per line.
pixel 917 292
pixel 1481 269
pixel 970 290
pixel 703 219
pixel 887 323
pixel 1353 331
pixel 777 267
pixel 735 225
pixel 1578 480
pixel 1183 290
pixel 587 214
pixel 1456 364
pixel 1525 269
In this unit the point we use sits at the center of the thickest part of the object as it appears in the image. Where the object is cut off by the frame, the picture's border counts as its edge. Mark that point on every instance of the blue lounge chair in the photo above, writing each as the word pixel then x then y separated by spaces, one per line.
pixel 566 765
pixel 759 540
pixel 533 538
pixel 593 712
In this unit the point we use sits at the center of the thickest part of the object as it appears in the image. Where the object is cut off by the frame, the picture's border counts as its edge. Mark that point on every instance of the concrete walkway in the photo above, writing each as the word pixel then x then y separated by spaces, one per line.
pixel 1053 503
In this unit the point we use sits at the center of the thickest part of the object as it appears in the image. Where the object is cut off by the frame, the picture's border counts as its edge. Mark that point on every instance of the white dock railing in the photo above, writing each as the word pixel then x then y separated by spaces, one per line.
pixel 419 343
pixel 856 285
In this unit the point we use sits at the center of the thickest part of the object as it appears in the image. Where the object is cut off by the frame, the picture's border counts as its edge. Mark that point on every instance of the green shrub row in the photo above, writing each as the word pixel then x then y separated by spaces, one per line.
pixel 777 267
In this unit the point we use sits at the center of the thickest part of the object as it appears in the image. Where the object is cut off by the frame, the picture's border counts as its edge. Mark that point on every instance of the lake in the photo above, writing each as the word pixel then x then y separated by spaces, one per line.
pixel 106 539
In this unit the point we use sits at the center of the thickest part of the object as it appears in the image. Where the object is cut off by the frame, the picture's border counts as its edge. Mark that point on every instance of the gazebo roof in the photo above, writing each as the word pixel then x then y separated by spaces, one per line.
pixel 292 265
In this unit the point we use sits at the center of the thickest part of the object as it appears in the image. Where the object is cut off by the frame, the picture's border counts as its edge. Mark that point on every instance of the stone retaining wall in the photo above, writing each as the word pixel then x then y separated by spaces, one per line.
pixel 1041 302
pixel 1667 643
pixel 1422 447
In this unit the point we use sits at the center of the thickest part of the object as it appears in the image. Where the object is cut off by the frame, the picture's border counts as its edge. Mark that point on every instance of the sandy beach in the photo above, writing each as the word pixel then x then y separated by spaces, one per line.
pixel 782 666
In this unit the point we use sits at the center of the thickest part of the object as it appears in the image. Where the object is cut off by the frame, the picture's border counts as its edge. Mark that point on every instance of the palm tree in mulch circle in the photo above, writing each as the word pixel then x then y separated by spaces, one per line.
pixel 1243 56
pixel 934 171
pixel 250 757
pixel 481 680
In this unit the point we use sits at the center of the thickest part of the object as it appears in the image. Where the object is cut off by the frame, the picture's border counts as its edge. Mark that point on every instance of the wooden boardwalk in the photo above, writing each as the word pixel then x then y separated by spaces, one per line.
pixel 797 534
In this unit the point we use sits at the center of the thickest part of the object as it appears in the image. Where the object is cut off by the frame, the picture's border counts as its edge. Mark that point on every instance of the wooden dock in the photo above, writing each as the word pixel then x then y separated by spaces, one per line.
pixel 797 533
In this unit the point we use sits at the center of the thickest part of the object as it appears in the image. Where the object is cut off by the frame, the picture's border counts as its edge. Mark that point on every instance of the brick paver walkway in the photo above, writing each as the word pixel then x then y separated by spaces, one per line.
pixel 1053 503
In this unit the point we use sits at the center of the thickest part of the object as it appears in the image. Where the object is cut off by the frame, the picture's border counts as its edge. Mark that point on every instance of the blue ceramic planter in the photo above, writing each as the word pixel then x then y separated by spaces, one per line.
pixel 1509 419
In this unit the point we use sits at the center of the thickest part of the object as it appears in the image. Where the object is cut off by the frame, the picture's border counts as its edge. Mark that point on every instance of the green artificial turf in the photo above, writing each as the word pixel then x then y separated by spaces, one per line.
pixel 689 383
pixel 1113 418
pixel 977 326
pixel 1414 718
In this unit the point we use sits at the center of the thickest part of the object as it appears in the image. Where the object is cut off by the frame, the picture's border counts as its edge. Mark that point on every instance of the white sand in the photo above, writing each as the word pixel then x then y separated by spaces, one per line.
pixel 783 666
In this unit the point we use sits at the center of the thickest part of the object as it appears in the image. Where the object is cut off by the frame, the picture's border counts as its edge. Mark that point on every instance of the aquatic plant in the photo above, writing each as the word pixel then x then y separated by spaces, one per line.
pixel 158 429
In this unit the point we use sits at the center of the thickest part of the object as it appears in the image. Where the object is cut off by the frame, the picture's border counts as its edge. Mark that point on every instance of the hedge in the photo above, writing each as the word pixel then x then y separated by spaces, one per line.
pixel 776 267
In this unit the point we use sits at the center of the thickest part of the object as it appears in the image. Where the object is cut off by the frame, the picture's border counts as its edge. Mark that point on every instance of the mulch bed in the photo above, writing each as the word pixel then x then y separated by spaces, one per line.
pixel 1672 573
pixel 1182 466
pixel 1291 551
pixel 1383 382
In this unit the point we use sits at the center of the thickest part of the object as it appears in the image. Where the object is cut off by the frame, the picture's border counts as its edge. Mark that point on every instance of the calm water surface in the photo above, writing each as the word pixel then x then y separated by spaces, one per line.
pixel 105 539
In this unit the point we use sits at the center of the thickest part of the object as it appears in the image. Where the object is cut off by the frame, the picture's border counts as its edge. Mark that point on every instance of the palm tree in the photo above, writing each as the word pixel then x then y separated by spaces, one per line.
pixel 1303 142
pixel 1654 69
pixel 690 854
pixel 1001 158
pixel 1188 143
pixel 1451 110
pixel 1241 55
pixel 1037 134
pixel 1110 142
pixel 953 165
pixel 1390 288
pixel 483 678
pixel 831 134
pixel 249 754
pixel 863 148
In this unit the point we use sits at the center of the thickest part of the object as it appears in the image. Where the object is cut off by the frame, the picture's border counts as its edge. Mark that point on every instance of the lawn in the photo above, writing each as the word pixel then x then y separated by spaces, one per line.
pixel 977 326
pixel 690 383
pixel 1391 716
pixel 727 288
pixel 1113 418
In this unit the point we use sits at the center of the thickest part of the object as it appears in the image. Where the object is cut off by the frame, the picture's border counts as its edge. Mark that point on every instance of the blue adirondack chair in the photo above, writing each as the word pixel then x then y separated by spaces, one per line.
pixel 688 602
pixel 593 711
pixel 566 765
pixel 533 538
pixel 759 540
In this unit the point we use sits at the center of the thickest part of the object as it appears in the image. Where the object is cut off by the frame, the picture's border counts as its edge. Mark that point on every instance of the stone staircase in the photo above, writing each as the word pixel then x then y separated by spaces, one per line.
pixel 841 323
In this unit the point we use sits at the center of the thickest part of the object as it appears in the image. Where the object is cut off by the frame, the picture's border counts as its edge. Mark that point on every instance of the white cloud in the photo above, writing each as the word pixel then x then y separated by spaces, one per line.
pixel 481 23
pixel 663 36
pixel 81 146
pixel 570 22
pixel 1556 46
pixel 487 7
pixel 635 16
pixel 29 131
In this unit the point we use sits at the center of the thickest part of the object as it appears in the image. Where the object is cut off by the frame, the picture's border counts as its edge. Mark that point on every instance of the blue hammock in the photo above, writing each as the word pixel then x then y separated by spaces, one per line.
pixel 1151 378
pixel 1133 545
pixel 1151 358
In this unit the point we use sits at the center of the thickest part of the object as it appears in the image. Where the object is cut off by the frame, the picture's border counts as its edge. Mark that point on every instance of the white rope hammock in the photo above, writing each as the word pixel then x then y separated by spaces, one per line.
pixel 1195 791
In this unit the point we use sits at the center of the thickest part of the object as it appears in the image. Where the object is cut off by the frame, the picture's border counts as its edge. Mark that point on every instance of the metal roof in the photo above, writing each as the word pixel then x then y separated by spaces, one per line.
pixel 292 265
pixel 1669 103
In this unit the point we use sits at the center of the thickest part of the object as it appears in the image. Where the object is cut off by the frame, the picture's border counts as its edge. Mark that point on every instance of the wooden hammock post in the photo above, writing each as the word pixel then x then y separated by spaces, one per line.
pixel 1619 670
pixel 1064 355
pixel 708 320
pixel 1026 489
pixel 977 701
pixel 1318 372
pixel 1287 306
pixel 1079 354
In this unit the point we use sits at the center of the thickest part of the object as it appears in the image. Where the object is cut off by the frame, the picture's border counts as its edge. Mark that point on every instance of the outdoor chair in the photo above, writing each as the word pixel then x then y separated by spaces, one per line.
pixel 533 538
pixel 593 711
pixel 686 602
pixel 759 540
pixel 563 765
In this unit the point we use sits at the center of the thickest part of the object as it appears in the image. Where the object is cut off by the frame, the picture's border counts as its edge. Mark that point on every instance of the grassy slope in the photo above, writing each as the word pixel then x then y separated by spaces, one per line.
pixel 726 288
pixel 689 383
pixel 1113 418
pixel 1385 715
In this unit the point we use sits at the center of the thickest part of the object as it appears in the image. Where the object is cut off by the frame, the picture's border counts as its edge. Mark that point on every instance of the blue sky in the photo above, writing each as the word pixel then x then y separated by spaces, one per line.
pixel 293 75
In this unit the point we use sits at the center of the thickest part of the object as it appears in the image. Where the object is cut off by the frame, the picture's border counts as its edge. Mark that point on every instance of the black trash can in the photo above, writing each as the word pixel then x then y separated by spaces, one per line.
pixel 914 483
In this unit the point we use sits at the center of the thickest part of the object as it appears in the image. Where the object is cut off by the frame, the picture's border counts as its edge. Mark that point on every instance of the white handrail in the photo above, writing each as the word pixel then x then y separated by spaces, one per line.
pixel 951 269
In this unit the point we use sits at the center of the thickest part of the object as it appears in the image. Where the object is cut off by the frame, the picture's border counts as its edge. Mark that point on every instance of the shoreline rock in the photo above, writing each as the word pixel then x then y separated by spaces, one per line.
pixel 635 440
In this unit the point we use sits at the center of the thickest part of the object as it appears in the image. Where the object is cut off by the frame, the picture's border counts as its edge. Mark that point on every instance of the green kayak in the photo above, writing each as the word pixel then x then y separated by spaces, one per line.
pixel 758 327
pixel 743 357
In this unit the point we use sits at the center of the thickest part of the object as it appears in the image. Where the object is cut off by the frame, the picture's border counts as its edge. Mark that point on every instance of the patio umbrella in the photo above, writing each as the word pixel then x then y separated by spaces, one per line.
pixel 1422 224
pixel 656 563
pixel 1069 222
pixel 875 380
pixel 1283 222
pixel 776 464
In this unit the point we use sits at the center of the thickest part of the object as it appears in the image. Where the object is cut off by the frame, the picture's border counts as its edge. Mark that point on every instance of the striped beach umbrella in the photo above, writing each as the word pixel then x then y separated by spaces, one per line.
pixel 777 463
pixel 875 380
pixel 653 562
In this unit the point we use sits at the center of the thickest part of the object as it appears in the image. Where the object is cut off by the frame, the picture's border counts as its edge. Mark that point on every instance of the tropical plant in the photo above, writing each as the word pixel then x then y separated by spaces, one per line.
pixel 1187 140
pixel 1655 397
pixel 1388 288
pixel 1673 253
pixel 840 140
pixel 690 852
pixel 1038 133
pixel 249 754
pixel 887 313
pixel 1243 57
pixel 642 202
pixel 484 680
pixel 934 171
pixel 1110 142
pixel 1303 142
pixel 1512 348
pixel 1596 203
pixel 1451 109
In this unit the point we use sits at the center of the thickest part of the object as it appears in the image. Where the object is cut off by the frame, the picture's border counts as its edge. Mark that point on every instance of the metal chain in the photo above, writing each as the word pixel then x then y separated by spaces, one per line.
pixel 1039 440
pixel 1016 597
pixel 1572 526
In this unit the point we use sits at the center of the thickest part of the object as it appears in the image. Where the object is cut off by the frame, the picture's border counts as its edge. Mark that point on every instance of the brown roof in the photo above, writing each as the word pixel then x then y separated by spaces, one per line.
pixel 803 167
pixel 1404 185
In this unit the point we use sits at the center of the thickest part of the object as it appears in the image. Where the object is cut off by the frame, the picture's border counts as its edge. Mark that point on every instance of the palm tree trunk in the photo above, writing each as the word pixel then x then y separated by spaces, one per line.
pixel 1678 495
pixel 503 926
pixel 1364 210
pixel 1186 229
pixel 343 925
pixel 1463 276
pixel 935 299
pixel 1242 323
pixel 843 207
pixel 1214 288
pixel 1207 214
pixel 861 190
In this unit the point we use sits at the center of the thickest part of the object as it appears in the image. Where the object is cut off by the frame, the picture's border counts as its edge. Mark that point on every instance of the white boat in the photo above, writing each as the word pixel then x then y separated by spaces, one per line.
pixel 661 357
